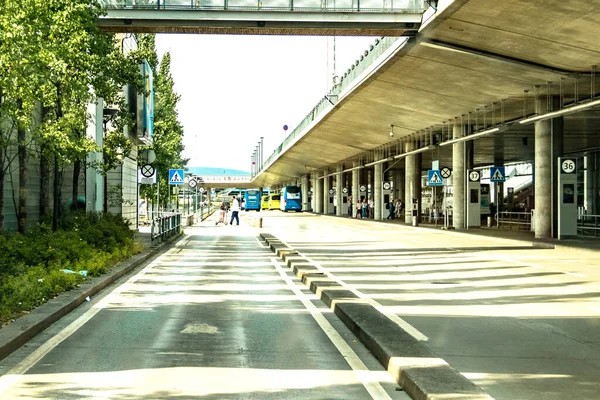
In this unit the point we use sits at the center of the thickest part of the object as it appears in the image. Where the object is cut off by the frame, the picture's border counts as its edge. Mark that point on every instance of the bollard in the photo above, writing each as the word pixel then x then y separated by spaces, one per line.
pixel 260 222
pixel 489 222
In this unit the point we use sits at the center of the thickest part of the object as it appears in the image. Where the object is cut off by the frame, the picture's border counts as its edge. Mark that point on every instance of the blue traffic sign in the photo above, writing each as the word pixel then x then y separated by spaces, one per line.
pixel 175 177
pixel 497 174
pixel 434 178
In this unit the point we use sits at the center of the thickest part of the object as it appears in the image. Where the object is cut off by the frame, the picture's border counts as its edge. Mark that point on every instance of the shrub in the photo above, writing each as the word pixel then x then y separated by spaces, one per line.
pixel 32 266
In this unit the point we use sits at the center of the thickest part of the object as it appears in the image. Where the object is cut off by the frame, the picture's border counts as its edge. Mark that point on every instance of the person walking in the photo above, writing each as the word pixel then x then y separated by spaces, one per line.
pixel 365 208
pixel 235 210
pixel 358 209
pixel 349 206
pixel 390 208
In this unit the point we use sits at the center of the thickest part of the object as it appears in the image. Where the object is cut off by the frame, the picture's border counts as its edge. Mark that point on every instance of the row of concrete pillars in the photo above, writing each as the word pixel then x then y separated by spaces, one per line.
pixel 407 181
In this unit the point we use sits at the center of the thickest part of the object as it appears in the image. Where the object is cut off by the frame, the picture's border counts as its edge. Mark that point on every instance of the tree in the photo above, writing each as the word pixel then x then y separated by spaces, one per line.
pixel 168 131
pixel 53 54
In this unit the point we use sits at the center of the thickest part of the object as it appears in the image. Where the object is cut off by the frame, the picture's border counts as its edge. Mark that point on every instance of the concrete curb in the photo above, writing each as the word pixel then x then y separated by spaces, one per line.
pixel 419 371
pixel 23 329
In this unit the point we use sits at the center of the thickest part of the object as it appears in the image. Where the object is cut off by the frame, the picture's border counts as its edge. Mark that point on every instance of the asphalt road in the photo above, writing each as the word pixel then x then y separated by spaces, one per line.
pixel 520 322
pixel 216 317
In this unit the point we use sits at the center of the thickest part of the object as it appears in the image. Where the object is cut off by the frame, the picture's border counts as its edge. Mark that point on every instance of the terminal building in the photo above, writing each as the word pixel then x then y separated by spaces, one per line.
pixel 502 101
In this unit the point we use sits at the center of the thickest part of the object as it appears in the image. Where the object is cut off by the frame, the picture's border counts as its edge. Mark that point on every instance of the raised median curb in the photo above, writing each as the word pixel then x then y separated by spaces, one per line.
pixel 419 371
pixel 20 331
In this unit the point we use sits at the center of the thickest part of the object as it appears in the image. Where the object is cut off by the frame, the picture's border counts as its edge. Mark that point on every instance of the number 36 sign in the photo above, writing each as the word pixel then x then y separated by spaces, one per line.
pixel 567 165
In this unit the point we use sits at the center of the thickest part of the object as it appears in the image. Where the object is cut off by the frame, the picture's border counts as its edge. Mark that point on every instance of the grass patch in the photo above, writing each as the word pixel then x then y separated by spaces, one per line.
pixel 42 264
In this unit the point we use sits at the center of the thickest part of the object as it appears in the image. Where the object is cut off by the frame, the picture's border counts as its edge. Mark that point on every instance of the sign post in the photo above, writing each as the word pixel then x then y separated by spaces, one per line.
pixel 567 197
pixel 446 173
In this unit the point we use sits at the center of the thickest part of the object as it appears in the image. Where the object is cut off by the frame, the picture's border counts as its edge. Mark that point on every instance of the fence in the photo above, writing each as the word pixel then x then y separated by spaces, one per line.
pixel 510 219
pixel 165 225
pixel 588 225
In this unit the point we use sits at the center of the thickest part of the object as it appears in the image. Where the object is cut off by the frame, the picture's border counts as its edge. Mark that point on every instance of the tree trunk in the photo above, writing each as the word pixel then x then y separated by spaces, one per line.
pixel 22 150
pixel 56 194
pixel 1 189
pixel 44 182
pixel 75 193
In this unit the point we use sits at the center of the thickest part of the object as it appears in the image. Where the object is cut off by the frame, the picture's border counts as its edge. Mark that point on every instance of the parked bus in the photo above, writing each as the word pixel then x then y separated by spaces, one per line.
pixel 252 198
pixel 274 201
pixel 291 198
pixel 265 202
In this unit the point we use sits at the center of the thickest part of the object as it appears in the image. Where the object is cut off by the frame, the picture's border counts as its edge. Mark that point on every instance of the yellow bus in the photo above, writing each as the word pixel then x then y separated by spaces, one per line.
pixel 274 201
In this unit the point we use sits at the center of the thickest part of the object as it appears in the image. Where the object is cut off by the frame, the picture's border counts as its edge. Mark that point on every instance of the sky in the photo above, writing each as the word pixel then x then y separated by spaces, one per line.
pixel 235 89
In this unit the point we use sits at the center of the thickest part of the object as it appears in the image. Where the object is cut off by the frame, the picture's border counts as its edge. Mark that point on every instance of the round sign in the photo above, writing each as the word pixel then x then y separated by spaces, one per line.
pixel 445 172
pixel 201 190
pixel 474 176
pixel 386 186
pixel 192 183
pixel 147 170
pixel 345 190
pixel 568 166
pixel 285 127
pixel 330 191
pixel 363 188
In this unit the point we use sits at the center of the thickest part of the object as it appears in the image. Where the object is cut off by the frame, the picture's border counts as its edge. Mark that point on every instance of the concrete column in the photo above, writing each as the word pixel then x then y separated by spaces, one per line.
pixel 313 197
pixel 319 194
pixel 355 186
pixel 304 189
pixel 459 178
pixel 412 183
pixel 548 146
pixel 325 195
pixel 378 191
pixel 339 211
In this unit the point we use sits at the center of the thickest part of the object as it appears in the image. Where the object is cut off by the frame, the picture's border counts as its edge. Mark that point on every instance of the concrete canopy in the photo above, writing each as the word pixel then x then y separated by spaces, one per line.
pixel 475 62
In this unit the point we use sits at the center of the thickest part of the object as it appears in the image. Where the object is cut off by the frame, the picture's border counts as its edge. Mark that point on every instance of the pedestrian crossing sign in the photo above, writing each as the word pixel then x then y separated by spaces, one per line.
pixel 176 177
pixel 434 178
pixel 497 174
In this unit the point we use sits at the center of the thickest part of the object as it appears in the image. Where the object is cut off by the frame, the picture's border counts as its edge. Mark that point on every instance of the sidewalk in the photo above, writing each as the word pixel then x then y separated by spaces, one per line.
pixel 589 246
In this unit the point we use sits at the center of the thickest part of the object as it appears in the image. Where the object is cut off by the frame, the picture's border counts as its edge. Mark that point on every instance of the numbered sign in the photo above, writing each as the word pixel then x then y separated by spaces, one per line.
pixel 567 166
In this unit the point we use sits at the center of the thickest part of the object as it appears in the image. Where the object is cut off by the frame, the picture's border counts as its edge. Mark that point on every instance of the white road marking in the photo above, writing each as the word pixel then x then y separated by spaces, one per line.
pixel 597 309
pixel 575 274
pixel 7 380
pixel 411 330
pixel 360 369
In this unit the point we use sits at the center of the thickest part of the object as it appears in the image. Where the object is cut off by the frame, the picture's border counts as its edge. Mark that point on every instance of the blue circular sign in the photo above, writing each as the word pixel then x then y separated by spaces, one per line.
pixel 285 127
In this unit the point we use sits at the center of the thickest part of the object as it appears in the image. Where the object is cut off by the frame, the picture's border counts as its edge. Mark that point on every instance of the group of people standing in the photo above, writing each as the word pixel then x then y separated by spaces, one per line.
pixel 365 208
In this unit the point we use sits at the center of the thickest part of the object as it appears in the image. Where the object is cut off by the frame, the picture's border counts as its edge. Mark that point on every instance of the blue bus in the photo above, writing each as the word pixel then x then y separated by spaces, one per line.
pixel 252 198
pixel 291 199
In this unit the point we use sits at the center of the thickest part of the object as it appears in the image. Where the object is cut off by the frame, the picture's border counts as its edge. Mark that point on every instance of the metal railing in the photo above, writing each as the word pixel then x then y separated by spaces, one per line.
pixel 415 6
pixel 588 225
pixel 165 225
pixel 510 219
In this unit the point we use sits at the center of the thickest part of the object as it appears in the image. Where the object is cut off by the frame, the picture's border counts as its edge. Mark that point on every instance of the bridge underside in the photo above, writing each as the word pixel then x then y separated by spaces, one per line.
pixel 476 63
pixel 252 22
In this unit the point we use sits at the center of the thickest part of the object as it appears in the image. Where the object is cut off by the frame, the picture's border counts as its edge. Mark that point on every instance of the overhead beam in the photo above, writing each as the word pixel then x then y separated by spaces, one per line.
pixel 250 22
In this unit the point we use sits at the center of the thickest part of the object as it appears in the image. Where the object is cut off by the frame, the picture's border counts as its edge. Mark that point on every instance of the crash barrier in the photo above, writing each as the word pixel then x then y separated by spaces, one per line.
pixel 588 225
pixel 511 219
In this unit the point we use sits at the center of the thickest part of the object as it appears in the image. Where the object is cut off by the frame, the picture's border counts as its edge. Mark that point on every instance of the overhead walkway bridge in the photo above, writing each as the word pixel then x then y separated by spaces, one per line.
pixel 260 17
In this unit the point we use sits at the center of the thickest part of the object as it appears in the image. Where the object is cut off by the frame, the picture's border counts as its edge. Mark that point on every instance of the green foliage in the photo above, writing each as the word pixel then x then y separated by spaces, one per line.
pixel 32 266
pixel 168 131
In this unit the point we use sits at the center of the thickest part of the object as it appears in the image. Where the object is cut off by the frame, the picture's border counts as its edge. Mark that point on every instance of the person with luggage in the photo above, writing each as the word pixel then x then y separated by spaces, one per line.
pixel 222 214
